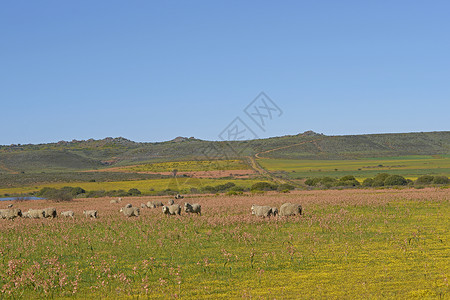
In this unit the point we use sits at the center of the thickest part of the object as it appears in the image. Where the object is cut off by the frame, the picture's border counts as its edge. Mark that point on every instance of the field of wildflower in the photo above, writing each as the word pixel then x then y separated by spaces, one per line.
pixel 391 243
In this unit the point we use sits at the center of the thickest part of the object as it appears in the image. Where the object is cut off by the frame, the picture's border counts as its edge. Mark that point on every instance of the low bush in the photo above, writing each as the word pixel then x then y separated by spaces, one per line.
pixel 395 180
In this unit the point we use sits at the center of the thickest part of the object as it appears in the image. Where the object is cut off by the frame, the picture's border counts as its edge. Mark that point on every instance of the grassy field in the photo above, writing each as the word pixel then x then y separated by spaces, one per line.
pixel 148 186
pixel 408 166
pixel 353 244
pixel 189 166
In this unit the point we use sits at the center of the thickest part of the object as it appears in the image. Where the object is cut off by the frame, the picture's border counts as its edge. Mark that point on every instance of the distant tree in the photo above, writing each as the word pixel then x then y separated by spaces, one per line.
pixel 174 172
pixel 395 180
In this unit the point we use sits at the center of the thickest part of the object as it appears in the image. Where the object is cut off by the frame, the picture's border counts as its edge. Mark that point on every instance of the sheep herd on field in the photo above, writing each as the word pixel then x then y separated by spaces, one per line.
pixel 287 209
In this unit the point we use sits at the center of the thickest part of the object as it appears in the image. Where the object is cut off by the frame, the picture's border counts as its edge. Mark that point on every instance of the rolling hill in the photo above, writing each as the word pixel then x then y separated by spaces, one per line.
pixel 97 154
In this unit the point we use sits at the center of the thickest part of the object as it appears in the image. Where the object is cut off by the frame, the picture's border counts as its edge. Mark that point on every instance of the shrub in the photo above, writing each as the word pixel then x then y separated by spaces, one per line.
pixel 312 181
pixel 134 192
pixel 368 182
pixel 55 194
pixel 285 186
pixel 263 186
pixel 377 182
pixel 74 191
pixel 233 193
pixel 441 180
pixel 425 179
pixel 224 187
pixel 348 180
pixel 381 177
pixel 237 189
pixel 395 180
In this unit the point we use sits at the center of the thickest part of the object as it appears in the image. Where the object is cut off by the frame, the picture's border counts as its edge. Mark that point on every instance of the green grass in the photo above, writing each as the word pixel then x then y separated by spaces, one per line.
pixel 354 245
pixel 408 166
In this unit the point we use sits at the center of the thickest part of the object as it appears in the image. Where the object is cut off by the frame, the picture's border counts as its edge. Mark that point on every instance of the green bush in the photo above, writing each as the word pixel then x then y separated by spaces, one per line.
pixel 381 177
pixel 286 186
pixel 348 180
pixel 134 192
pixel 233 193
pixel 58 195
pixel 263 186
pixel 312 181
pixel 74 191
pixel 368 182
pixel 441 180
pixel 395 180
pixel 425 179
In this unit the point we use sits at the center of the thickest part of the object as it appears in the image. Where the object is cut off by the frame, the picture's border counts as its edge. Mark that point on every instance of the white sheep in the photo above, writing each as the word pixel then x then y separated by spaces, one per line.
pixel 290 209
pixel 174 209
pixel 154 204
pixel 10 213
pixel 193 208
pixel 35 214
pixel 68 213
pixel 91 214
pixel 130 211
pixel 143 205
pixel 50 212
pixel 261 211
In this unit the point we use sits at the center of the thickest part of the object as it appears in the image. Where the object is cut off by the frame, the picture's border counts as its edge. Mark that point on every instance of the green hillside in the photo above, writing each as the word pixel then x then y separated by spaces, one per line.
pixel 97 154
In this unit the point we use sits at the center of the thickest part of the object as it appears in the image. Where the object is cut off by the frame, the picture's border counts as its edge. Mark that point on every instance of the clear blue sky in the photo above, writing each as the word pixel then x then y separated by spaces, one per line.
pixel 154 70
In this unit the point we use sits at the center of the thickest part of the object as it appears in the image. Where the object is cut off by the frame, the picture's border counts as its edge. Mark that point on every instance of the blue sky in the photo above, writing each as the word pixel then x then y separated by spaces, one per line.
pixel 154 70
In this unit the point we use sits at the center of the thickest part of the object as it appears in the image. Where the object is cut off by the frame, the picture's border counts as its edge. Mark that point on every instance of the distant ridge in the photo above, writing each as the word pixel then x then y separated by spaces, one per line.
pixel 90 154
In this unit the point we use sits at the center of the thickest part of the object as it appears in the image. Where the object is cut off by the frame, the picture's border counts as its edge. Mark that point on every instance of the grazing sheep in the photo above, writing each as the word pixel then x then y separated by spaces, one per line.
pixel 10 213
pixel 143 205
pixel 154 204
pixel 35 214
pixel 178 196
pixel 130 211
pixel 274 211
pixel 67 214
pixel 128 205
pixel 50 212
pixel 114 201
pixel 261 211
pixel 120 200
pixel 174 209
pixel 10 205
pixel 3 213
pixel 171 202
pixel 193 208
pixel 290 209
pixel 91 214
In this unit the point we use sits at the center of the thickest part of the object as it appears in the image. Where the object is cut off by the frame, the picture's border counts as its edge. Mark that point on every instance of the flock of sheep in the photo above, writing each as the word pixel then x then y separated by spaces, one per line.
pixel 50 212
pixel 170 209
pixel 287 209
